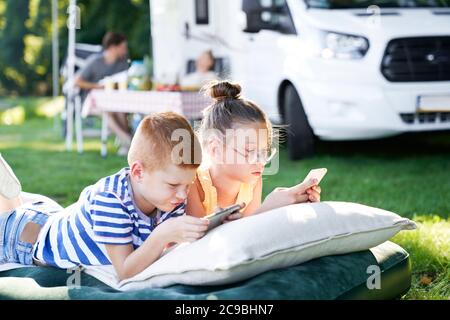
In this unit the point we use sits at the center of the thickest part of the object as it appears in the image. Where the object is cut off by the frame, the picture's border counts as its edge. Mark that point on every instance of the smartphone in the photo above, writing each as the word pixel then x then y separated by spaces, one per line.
pixel 316 174
pixel 215 219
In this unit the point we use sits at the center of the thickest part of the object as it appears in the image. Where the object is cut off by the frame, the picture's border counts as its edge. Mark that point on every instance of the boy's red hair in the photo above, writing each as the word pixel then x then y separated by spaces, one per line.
pixel 154 142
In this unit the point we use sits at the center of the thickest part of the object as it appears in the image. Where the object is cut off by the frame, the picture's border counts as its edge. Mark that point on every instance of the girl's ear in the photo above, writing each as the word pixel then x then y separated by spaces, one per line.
pixel 215 150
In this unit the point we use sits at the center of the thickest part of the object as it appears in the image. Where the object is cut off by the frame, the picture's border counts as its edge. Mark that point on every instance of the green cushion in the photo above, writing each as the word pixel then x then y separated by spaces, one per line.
pixel 332 277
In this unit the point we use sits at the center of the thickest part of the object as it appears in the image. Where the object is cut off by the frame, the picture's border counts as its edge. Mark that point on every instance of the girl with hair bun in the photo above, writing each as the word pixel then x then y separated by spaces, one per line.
pixel 237 138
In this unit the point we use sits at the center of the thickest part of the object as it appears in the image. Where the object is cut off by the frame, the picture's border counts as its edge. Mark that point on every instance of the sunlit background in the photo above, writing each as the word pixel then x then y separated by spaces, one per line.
pixel 408 174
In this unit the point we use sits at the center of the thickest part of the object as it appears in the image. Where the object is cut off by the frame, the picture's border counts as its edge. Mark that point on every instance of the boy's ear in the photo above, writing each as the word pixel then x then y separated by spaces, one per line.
pixel 137 170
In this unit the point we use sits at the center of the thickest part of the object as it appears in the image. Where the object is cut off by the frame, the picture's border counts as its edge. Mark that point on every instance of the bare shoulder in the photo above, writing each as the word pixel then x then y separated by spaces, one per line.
pixel 198 187
pixel 195 199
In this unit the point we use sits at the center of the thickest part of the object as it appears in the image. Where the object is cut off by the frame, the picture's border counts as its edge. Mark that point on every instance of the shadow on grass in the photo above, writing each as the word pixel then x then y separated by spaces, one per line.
pixel 402 146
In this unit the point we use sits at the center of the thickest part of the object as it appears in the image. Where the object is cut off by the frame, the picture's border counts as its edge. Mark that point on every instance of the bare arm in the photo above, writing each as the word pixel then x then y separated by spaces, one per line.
pixel 253 206
pixel 256 201
pixel 128 262
pixel 86 85
pixel 307 191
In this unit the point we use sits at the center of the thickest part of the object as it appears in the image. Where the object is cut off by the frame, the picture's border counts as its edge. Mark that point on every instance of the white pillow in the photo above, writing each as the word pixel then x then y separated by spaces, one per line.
pixel 275 239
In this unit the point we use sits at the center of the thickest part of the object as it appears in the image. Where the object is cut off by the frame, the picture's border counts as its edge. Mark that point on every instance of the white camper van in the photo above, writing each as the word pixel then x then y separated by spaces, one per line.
pixel 334 69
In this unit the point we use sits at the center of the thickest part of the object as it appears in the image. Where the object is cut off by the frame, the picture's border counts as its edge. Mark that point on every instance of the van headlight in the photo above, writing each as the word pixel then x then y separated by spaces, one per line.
pixel 343 46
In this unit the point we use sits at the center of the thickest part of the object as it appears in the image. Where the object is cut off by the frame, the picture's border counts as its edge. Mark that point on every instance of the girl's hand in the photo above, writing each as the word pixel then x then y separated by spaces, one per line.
pixel 232 217
pixel 314 193
pixel 304 192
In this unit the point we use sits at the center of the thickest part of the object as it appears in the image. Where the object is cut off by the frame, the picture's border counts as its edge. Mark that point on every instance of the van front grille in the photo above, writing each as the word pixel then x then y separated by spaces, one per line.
pixel 417 59
pixel 425 117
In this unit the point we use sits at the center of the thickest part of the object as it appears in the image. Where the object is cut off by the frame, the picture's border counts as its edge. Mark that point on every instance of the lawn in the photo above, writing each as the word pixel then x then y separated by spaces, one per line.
pixel 409 175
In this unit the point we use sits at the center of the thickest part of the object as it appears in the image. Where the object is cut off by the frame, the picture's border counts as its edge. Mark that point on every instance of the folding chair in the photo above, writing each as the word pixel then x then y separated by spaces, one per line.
pixel 72 111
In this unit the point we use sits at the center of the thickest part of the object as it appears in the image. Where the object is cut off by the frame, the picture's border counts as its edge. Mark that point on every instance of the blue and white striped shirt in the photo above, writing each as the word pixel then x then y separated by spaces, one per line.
pixel 104 214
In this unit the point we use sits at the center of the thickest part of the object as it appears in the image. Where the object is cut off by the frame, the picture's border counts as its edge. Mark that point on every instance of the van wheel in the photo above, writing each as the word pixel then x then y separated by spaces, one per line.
pixel 300 137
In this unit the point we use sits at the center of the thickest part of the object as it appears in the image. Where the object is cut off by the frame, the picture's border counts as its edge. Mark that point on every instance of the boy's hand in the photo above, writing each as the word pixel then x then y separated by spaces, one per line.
pixel 181 229
pixel 307 191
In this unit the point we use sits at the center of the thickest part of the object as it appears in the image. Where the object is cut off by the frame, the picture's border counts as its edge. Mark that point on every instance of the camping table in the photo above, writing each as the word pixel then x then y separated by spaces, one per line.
pixel 99 102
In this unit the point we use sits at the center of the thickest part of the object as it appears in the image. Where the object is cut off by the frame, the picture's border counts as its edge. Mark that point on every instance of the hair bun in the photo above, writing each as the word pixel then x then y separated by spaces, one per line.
pixel 221 90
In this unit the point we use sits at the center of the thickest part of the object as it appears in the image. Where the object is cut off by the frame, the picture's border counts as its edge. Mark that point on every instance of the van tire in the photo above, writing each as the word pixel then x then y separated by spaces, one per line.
pixel 300 136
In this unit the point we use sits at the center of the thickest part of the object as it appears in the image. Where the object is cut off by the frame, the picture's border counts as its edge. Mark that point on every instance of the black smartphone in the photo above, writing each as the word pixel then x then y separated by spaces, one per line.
pixel 215 219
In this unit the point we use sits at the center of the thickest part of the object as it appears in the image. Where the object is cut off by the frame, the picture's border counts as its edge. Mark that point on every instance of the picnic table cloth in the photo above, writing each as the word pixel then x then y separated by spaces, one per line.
pixel 190 104
pixel 98 102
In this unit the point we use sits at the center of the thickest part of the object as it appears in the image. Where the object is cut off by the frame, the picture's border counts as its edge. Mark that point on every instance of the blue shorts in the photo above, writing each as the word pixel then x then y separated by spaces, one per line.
pixel 12 249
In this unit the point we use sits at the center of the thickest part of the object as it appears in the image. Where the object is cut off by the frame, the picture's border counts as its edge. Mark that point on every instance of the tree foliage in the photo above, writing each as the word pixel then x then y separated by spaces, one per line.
pixel 26 38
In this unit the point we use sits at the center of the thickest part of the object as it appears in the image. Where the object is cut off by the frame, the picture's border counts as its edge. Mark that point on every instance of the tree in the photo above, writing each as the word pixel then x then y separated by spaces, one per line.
pixel 128 16
pixel 25 37
pixel 12 63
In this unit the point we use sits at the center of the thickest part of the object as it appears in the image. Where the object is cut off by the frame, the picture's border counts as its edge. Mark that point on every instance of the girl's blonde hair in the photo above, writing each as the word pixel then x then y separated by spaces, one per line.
pixel 229 108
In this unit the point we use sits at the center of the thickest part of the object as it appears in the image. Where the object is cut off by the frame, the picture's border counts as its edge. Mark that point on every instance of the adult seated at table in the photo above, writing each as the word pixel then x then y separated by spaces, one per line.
pixel 203 73
pixel 112 60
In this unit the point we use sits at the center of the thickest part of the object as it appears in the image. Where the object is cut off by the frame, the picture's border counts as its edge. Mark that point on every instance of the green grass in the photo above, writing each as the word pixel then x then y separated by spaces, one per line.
pixel 409 175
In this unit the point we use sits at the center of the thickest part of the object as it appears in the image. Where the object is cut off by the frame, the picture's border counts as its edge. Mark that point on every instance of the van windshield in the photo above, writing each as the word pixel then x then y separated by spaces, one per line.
pixel 347 4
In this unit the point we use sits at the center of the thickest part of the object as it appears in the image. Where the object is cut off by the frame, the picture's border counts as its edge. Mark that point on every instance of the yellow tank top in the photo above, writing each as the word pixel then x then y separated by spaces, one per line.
pixel 210 202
